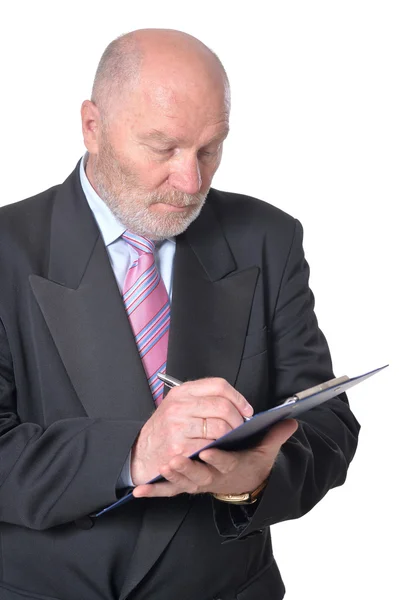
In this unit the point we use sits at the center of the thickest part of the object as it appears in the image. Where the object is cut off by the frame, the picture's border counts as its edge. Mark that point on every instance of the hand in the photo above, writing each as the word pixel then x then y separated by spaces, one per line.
pixel 221 472
pixel 190 416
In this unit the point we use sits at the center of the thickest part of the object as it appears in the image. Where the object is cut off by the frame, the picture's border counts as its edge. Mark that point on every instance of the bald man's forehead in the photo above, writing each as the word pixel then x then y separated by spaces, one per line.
pixel 199 94
pixel 163 138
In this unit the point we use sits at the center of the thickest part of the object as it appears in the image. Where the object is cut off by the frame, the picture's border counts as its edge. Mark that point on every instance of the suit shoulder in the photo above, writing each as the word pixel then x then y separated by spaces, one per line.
pixel 250 212
pixel 25 231
pixel 25 215
pixel 28 206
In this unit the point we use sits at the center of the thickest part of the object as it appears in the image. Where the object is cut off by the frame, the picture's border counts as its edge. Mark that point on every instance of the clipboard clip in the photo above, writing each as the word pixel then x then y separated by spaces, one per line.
pixel 316 389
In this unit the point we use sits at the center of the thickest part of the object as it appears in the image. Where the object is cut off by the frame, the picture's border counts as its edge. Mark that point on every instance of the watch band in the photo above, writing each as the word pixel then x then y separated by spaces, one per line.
pixel 245 498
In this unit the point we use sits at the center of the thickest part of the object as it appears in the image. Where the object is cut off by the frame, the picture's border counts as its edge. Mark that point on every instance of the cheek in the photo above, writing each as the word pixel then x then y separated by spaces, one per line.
pixel 145 173
pixel 207 173
pixel 155 176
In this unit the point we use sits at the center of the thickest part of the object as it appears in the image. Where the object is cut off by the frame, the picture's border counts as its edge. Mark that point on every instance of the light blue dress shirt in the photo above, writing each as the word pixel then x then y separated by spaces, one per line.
pixel 121 256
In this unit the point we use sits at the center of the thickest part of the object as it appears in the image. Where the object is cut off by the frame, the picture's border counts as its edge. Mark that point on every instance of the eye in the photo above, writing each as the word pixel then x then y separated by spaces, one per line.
pixel 207 154
pixel 161 150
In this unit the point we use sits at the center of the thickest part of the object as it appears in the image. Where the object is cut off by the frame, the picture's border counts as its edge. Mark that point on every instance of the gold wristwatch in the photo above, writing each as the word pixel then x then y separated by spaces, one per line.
pixel 246 498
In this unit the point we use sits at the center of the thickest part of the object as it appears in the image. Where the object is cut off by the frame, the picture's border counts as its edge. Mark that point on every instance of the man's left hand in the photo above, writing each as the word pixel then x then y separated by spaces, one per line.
pixel 221 472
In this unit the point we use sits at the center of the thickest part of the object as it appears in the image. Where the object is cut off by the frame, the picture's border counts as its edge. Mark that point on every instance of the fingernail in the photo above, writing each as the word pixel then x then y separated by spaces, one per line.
pixel 248 409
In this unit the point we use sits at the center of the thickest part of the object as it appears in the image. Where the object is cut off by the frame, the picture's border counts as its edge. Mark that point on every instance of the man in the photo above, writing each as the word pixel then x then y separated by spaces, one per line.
pixel 131 267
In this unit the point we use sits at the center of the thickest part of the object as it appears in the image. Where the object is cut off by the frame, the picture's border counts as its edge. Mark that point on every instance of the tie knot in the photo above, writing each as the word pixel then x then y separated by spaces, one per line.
pixel 140 243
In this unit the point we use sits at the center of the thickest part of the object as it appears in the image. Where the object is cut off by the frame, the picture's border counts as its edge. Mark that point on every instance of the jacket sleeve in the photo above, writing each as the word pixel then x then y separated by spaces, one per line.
pixel 56 475
pixel 316 458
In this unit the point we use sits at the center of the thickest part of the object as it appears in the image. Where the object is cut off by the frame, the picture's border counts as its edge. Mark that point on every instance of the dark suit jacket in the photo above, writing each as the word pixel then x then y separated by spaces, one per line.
pixel 73 397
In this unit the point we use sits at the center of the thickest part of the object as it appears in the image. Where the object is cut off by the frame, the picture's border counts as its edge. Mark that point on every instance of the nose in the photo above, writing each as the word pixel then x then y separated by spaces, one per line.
pixel 186 176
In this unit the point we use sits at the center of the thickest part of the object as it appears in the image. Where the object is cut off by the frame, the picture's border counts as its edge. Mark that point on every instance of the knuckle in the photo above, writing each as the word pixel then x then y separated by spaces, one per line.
pixel 233 463
pixel 191 428
pixel 223 386
pixel 224 428
pixel 223 408
pixel 193 488
pixel 175 448
pixel 201 402
pixel 169 411
pixel 208 480
pixel 218 385
pixel 223 468
pixel 229 470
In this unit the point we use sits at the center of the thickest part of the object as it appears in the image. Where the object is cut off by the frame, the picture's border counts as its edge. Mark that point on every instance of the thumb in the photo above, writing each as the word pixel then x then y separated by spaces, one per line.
pixel 279 434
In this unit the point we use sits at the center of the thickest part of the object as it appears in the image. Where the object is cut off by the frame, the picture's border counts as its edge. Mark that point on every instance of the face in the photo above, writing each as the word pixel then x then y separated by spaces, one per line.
pixel 156 157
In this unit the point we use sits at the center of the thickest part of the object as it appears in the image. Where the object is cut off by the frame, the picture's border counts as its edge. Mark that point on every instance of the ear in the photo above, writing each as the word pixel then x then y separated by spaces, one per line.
pixel 90 126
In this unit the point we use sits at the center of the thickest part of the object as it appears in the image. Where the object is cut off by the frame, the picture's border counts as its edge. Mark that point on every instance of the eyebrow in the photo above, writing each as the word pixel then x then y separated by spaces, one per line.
pixel 159 136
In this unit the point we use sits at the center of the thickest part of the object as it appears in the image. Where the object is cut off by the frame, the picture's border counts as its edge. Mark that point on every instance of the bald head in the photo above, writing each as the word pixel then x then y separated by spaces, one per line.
pixel 158 59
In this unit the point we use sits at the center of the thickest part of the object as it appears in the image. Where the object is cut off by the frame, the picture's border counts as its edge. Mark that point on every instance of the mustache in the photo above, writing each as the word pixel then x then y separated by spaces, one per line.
pixel 175 198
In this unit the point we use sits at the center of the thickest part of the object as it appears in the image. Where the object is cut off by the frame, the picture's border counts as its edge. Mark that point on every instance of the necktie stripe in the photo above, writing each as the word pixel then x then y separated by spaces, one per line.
pixel 158 397
pixel 140 284
pixel 164 311
pixel 159 334
pixel 155 372
pixel 143 293
pixel 153 378
pixel 140 243
pixel 156 387
pixel 164 323
pixel 147 344
pixel 148 309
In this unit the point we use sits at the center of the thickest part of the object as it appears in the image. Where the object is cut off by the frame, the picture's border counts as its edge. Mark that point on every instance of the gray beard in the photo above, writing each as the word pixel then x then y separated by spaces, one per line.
pixel 133 209
pixel 141 221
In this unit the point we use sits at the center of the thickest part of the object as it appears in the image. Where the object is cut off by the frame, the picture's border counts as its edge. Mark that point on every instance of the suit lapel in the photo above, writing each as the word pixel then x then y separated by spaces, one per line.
pixel 209 318
pixel 211 304
pixel 83 309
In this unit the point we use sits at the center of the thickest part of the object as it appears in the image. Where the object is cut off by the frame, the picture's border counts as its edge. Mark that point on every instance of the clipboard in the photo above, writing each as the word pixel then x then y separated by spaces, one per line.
pixel 252 431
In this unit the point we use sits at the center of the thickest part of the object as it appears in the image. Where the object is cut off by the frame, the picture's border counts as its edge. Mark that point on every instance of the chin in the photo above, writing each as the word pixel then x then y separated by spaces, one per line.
pixel 171 225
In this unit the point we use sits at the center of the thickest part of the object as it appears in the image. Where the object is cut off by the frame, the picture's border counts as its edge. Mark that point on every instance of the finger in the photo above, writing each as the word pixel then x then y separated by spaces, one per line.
pixel 217 407
pixel 174 484
pixel 207 428
pixel 216 386
pixel 185 447
pixel 198 474
pixel 184 405
pixel 279 434
pixel 182 475
pixel 156 490
pixel 223 462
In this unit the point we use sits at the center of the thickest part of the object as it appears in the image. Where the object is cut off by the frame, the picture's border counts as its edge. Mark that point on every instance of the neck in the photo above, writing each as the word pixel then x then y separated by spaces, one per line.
pixel 90 173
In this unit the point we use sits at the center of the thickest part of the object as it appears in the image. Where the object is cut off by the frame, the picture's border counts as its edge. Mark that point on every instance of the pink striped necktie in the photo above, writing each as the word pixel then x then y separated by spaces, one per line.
pixel 148 308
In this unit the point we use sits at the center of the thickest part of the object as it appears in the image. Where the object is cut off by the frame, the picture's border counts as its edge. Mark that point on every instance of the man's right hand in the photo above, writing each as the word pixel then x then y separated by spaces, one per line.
pixel 188 418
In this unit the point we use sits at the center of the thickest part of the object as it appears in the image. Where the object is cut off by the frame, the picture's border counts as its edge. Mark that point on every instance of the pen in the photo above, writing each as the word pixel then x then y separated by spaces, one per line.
pixel 168 380
pixel 173 382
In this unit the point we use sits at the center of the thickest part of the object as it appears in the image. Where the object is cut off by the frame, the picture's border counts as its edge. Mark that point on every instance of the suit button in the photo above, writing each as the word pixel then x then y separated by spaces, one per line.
pixel 84 523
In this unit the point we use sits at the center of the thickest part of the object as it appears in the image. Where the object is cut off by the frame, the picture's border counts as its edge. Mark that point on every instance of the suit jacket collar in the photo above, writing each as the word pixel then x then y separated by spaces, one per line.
pixel 74 233
pixel 207 240
pixel 84 312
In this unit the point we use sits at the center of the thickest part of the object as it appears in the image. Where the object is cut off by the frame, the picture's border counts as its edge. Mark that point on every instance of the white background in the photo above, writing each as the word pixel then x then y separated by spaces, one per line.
pixel 315 131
